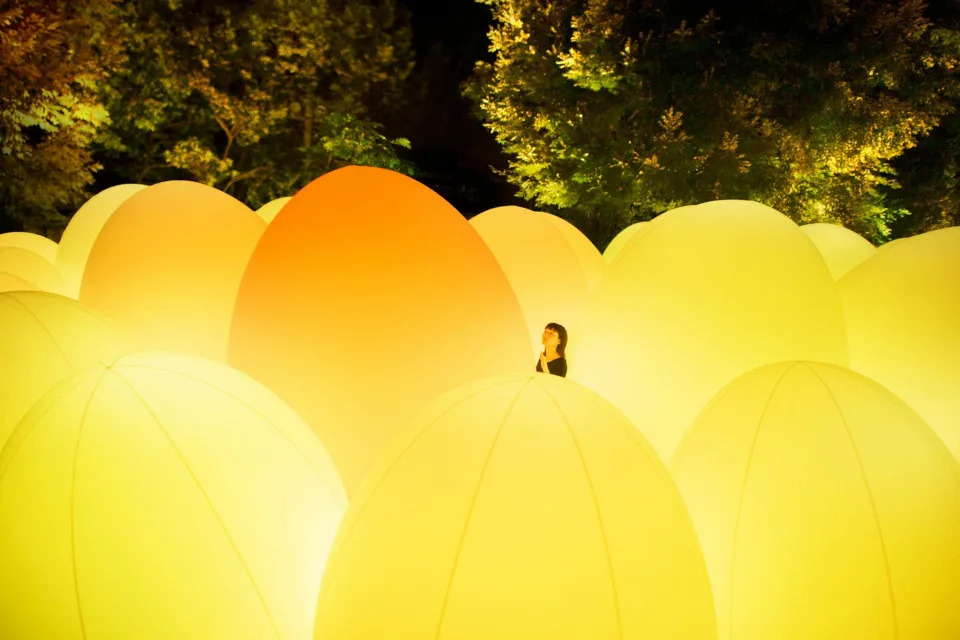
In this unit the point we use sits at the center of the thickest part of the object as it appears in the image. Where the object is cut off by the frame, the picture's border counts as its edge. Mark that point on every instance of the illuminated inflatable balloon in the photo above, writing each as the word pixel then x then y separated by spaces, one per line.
pixel 42 246
pixel 163 497
pixel 590 259
pixel 902 309
pixel 270 210
pixel 519 506
pixel 32 268
pixel 168 263
pixel 826 508
pixel 10 282
pixel 705 294
pixel 841 248
pixel 46 338
pixel 542 267
pixel 367 297
pixel 83 229
pixel 620 241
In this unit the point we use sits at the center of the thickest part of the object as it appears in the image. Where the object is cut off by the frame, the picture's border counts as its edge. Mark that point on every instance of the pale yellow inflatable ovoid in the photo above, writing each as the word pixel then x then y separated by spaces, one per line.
pixel 542 267
pixel 590 259
pixel 10 282
pixel 168 263
pixel 520 506
pixel 42 246
pixel 31 267
pixel 270 210
pixel 826 508
pixel 47 338
pixel 83 229
pixel 902 309
pixel 164 497
pixel 701 295
pixel 841 248
pixel 620 241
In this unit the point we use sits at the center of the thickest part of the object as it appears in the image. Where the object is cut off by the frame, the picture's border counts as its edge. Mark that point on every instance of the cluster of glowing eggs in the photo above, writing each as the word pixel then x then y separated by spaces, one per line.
pixel 22 265
pixel 82 231
pixel 165 496
pixel 44 339
pixel 367 297
pixel 840 248
pixel 902 309
pixel 543 267
pixel 826 508
pixel 167 265
pixel 518 506
pixel 700 295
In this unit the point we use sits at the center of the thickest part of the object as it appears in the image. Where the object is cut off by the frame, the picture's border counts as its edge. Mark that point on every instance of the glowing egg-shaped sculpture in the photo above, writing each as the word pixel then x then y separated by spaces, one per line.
pixel 42 246
pixel 826 508
pixel 163 497
pixel 10 282
pixel 168 263
pixel 46 338
pixel 841 248
pixel 83 229
pixel 520 506
pixel 620 241
pixel 705 294
pixel 542 268
pixel 591 260
pixel 368 296
pixel 32 268
pixel 902 309
pixel 270 210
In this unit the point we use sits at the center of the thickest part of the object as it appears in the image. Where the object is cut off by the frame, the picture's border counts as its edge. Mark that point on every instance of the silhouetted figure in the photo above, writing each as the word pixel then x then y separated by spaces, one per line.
pixel 553 358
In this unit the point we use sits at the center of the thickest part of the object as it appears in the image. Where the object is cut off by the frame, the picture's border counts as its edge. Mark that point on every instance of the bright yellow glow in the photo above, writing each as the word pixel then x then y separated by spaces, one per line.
pixel 519 506
pixel 83 229
pixel 168 263
pixel 270 210
pixel 902 309
pixel 10 282
pixel 46 338
pixel 620 241
pixel 542 267
pixel 591 261
pixel 841 248
pixel 366 298
pixel 42 246
pixel 826 508
pixel 699 296
pixel 164 497
pixel 32 268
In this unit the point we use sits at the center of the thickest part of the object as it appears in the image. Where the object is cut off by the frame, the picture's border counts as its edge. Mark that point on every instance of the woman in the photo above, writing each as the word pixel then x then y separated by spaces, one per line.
pixel 553 358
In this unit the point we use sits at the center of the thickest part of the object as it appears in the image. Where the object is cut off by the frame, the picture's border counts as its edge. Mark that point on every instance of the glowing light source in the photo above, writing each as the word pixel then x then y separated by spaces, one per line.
pixel 841 248
pixel 366 298
pixel 706 293
pixel 168 263
pixel 826 508
pixel 164 497
pixel 519 506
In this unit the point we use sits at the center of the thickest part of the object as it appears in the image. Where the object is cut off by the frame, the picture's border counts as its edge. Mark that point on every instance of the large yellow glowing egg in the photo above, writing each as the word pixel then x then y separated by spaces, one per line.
pixel 841 248
pixel 42 246
pixel 542 267
pixel 10 282
pixel 163 497
pixel 826 508
pixel 701 295
pixel 83 229
pixel 270 210
pixel 591 261
pixel 519 506
pixel 44 339
pixel 902 309
pixel 620 241
pixel 31 267
pixel 367 297
pixel 168 263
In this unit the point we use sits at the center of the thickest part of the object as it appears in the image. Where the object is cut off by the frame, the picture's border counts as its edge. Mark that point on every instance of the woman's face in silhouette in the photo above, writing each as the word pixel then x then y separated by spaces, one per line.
pixel 550 338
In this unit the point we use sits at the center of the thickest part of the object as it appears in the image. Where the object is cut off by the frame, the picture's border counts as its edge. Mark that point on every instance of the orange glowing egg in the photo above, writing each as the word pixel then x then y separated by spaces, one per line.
pixel 168 263
pixel 366 298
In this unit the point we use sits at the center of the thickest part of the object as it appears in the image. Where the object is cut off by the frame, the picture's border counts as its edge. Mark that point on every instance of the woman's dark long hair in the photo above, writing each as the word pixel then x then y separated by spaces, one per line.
pixel 562 332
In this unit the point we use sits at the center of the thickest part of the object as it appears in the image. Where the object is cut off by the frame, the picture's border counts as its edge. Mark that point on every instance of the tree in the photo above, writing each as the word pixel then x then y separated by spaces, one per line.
pixel 255 98
pixel 614 111
pixel 54 55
